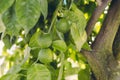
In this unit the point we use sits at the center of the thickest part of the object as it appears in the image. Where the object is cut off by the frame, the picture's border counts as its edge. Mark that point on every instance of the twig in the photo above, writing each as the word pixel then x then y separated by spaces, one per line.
pixel 61 67
pixel 55 15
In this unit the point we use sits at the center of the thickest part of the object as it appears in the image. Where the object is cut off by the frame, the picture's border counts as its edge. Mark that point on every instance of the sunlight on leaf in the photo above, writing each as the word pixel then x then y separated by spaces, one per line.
pixel 38 72
pixel 44 7
pixel 10 77
pixel 5 4
pixel 28 13
pixel 11 23
pixel 78 37
pixel 2 26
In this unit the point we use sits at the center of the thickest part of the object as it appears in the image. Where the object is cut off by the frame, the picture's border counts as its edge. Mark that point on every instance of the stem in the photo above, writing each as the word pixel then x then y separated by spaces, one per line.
pixel 61 68
pixel 55 15
pixel 59 35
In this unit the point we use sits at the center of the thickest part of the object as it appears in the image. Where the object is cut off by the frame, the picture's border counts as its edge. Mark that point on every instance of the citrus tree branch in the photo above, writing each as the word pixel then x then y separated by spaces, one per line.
pixel 109 28
pixel 96 14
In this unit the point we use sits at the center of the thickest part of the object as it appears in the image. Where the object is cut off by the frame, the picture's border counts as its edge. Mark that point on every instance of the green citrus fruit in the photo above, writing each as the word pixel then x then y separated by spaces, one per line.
pixel 45 40
pixel 39 40
pixel 45 55
pixel 63 25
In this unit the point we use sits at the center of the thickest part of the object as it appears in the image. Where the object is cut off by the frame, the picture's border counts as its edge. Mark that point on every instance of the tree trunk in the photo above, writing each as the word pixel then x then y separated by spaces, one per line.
pixel 95 15
pixel 101 58
pixel 116 46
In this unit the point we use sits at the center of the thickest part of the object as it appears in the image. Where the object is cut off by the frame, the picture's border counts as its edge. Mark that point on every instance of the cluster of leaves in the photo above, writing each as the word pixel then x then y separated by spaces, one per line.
pixel 52 32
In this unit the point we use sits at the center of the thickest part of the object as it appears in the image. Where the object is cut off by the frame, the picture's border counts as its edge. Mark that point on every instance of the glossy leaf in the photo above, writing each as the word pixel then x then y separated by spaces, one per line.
pixel 59 45
pixel 38 72
pixel 28 13
pixel 54 72
pixel 11 23
pixel 76 16
pixel 39 40
pixel 78 37
pixel 34 42
pixel 44 7
pixel 10 77
pixel 2 26
pixel 81 21
pixel 35 52
pixel 5 4
pixel 78 24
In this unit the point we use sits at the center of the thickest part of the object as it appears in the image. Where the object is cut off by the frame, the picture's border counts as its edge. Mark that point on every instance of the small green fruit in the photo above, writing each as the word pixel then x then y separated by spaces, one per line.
pixel 45 40
pixel 63 25
pixel 45 55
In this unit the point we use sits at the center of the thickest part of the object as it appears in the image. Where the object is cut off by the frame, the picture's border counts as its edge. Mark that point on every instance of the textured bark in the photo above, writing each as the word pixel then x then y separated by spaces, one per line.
pixel 109 27
pixel 101 59
pixel 116 46
pixel 96 14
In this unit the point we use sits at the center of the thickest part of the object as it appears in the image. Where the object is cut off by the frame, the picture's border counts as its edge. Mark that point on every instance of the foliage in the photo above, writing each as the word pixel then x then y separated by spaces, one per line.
pixel 52 33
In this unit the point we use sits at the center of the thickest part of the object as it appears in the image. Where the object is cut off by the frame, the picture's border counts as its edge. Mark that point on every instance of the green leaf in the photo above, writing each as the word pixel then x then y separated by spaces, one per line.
pixel 7 41
pixel 2 26
pixel 76 16
pixel 34 52
pixel 59 45
pixel 80 16
pixel 14 69
pixel 5 4
pixel 86 46
pixel 54 72
pixel 10 77
pixel 39 40
pixel 11 23
pixel 28 13
pixel 38 72
pixel 44 7
pixel 78 21
pixel 84 74
pixel 78 37
pixel 34 42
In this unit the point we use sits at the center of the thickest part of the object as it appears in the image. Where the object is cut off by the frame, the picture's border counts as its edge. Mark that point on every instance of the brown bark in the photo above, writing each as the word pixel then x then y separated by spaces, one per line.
pixel 96 14
pixel 109 28
pixel 101 57
pixel 116 46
